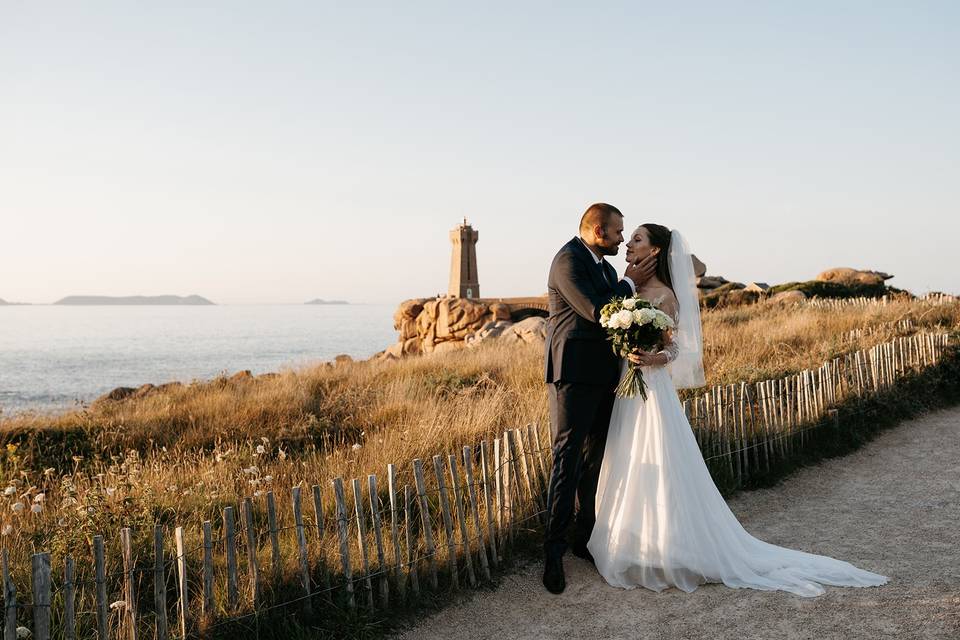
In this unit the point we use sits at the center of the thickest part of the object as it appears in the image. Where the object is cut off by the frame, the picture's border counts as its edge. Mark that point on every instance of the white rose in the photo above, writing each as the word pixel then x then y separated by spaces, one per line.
pixel 629 303
pixel 604 320
pixel 638 316
pixel 625 319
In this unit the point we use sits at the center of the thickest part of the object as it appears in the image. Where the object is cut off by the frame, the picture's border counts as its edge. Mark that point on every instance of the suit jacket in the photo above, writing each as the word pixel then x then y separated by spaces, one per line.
pixel 577 346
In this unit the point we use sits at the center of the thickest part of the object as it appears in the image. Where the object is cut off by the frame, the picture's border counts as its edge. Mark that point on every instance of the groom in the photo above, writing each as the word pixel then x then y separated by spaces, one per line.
pixel 581 375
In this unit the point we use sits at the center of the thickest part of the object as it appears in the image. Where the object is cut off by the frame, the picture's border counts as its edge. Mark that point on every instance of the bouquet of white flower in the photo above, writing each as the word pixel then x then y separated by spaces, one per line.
pixel 634 323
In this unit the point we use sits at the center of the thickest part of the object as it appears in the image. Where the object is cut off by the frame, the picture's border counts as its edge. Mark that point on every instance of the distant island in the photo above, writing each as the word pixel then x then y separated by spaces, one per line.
pixel 11 304
pixel 134 300
pixel 319 301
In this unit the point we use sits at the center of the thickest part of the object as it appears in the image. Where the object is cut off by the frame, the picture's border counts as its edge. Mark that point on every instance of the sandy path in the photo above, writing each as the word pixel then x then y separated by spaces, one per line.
pixel 893 507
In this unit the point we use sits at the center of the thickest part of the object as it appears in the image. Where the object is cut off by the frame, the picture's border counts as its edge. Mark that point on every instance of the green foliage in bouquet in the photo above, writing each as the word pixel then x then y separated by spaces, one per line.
pixel 633 324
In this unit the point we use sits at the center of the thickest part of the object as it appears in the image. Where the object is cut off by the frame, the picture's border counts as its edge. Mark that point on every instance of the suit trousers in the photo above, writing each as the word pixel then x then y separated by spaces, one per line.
pixel 579 421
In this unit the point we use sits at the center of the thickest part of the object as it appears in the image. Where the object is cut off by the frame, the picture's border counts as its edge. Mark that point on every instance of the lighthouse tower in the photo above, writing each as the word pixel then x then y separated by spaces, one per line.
pixel 464 282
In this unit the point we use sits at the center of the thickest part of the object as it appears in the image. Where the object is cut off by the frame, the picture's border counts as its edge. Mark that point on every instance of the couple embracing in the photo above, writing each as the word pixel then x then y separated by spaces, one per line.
pixel 629 485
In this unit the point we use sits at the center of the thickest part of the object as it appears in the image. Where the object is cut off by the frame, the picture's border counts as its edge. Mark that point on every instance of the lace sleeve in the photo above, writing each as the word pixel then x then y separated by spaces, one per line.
pixel 670 347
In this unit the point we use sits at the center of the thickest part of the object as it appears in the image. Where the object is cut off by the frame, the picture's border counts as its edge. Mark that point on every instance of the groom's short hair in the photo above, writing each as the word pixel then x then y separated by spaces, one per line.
pixel 598 213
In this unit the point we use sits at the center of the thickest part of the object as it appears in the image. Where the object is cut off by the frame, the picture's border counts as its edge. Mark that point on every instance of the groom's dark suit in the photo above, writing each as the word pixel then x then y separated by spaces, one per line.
pixel 581 374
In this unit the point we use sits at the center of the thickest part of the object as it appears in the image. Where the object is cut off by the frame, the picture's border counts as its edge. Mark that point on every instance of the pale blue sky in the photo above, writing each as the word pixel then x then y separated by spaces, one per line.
pixel 280 151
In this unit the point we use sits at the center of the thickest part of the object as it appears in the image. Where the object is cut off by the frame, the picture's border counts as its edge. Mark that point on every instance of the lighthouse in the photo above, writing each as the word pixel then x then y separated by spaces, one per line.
pixel 464 282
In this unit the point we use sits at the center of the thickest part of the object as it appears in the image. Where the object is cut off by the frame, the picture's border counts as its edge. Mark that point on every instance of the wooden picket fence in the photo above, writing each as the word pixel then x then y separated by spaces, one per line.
pixel 382 546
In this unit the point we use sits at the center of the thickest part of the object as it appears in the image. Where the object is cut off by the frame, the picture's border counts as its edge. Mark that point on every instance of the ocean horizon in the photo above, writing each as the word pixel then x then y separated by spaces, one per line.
pixel 54 357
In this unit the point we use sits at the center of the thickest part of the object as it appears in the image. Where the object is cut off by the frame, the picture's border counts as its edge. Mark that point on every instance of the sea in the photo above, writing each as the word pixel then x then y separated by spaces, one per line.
pixel 56 357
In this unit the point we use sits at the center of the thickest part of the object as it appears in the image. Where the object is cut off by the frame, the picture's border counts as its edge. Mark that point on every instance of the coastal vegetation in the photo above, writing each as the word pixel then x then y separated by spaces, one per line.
pixel 179 454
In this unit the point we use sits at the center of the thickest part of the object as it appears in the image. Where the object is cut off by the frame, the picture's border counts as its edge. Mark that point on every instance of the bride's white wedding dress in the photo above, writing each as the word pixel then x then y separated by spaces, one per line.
pixel 661 522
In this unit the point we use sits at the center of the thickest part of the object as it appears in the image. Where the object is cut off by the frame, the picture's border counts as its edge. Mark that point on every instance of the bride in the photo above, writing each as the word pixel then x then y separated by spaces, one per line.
pixel 661 522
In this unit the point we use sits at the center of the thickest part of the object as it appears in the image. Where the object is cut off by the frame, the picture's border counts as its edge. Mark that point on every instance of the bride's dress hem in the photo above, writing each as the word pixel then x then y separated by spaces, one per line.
pixel 661 522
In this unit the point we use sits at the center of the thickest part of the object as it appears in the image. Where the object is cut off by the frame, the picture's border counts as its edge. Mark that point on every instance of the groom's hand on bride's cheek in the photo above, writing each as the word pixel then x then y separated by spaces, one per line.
pixel 642 271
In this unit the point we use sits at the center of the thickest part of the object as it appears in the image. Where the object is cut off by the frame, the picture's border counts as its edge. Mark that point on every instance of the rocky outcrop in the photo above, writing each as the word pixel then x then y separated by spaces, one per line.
pixel 853 277
pixel 532 330
pixel 439 325
pixel 787 298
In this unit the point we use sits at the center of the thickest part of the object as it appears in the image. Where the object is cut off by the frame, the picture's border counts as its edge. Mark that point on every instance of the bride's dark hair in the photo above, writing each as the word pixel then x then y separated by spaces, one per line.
pixel 660 238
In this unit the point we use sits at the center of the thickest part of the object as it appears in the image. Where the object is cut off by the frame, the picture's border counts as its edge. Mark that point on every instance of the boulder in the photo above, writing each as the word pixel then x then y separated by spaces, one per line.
pixel 699 269
pixel 711 282
pixel 342 359
pixel 787 298
pixel 241 376
pixel 533 329
pixel 143 390
pixel 456 317
pixel 412 346
pixel 395 350
pixel 848 276
pixel 759 287
pixel 120 393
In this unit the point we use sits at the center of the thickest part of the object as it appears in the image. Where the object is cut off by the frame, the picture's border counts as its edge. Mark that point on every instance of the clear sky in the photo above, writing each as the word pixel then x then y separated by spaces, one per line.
pixel 261 152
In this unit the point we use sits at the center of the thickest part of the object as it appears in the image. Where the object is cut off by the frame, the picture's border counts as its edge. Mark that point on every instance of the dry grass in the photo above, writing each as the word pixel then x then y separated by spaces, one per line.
pixel 180 456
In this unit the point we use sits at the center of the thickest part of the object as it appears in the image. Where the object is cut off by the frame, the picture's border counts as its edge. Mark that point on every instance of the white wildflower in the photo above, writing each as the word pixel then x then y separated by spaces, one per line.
pixel 7 529
pixel 268 478
pixel 356 446
pixel 9 491
pixel 40 497
pixel 261 449
pixel 18 507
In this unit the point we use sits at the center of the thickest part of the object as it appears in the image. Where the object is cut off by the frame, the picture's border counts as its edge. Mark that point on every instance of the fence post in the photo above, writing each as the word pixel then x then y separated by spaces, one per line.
pixel 461 518
pixel 69 600
pixel 488 502
pixel 377 526
pixel 447 520
pixel 428 538
pixel 159 583
pixel 394 528
pixel 318 520
pixel 99 562
pixel 475 512
pixel 302 549
pixel 183 590
pixel 362 540
pixel 274 535
pixel 253 566
pixel 129 598
pixel 343 534
pixel 409 524
pixel 41 596
pixel 230 538
pixel 208 604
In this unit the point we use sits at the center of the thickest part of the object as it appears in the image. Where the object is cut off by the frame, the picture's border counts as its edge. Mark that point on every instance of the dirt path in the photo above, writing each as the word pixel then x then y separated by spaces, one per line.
pixel 893 507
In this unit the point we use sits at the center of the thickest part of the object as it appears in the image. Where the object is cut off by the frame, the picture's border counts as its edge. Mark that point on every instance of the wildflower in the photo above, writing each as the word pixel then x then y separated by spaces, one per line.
pixel 251 471
pixel 7 529
pixel 37 508
pixel 281 453
pixel 261 450
pixel 356 446
pixel 40 497
pixel 11 448
pixel 23 632
pixel 268 478
pixel 18 507
pixel 9 491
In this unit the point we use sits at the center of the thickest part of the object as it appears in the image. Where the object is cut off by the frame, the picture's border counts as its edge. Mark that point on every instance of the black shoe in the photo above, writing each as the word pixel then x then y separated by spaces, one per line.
pixel 553 578
pixel 581 551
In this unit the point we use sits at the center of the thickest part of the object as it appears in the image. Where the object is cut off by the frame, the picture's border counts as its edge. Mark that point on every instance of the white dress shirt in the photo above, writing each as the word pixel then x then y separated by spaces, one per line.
pixel 597 259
